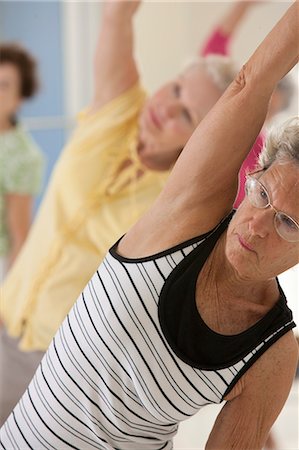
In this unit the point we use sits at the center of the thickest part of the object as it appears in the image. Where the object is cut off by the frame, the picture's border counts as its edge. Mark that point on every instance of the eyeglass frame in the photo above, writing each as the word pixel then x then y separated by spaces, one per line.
pixel 250 175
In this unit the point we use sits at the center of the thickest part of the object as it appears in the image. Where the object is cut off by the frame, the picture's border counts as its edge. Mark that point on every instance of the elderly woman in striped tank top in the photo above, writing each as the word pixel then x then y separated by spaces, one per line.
pixel 186 309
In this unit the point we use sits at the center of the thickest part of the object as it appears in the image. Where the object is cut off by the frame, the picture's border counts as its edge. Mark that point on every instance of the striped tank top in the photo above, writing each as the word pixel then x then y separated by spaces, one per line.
pixel 133 358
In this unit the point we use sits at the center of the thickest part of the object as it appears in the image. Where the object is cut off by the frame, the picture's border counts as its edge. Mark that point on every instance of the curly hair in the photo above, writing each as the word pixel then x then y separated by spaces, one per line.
pixel 15 54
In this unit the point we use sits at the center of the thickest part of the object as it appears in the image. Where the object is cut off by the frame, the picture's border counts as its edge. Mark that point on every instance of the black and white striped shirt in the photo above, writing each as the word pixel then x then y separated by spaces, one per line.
pixel 115 376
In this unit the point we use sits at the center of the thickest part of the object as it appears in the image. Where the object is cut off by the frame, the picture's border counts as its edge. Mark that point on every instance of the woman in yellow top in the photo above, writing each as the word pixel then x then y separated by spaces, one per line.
pixel 108 175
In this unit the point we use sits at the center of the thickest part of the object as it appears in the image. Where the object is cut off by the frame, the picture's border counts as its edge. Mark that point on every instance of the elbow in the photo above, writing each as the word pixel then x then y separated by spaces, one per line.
pixel 248 86
pixel 252 80
pixel 245 80
pixel 240 81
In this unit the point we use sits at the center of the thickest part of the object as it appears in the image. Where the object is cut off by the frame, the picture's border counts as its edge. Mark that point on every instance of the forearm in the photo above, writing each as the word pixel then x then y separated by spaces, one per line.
pixel 116 31
pixel 18 235
pixel 18 209
pixel 234 16
pixel 114 65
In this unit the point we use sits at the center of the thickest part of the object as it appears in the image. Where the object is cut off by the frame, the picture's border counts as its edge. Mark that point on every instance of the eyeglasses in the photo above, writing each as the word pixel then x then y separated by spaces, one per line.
pixel 286 227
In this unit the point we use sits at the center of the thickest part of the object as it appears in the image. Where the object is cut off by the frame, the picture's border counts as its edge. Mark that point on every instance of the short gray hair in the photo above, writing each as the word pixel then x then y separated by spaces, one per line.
pixel 282 144
pixel 220 68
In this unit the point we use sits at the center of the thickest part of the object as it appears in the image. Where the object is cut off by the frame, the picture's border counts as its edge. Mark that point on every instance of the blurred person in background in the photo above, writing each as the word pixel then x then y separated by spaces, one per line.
pixel 220 42
pixel 20 159
pixel 107 176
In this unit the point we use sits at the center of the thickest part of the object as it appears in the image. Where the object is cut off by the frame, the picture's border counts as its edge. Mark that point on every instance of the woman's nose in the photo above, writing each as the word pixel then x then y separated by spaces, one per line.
pixel 261 222
pixel 170 110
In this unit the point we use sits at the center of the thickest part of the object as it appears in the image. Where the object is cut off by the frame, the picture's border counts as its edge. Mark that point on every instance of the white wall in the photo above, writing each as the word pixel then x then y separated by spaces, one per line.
pixel 80 24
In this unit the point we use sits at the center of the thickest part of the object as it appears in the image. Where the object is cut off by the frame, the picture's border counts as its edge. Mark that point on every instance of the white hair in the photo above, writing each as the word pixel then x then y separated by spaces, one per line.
pixel 282 144
pixel 220 68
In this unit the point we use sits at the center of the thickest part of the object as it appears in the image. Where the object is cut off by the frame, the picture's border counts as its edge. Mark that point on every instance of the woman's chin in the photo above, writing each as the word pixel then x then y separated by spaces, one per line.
pixel 240 264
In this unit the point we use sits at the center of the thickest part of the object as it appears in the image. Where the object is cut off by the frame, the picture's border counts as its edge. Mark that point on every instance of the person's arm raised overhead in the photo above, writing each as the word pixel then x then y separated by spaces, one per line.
pixel 203 183
pixel 115 69
pixel 220 39
pixel 233 18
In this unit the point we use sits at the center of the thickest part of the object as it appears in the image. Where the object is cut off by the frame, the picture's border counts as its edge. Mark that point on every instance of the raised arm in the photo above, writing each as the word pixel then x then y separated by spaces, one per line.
pixel 203 182
pixel 231 21
pixel 220 39
pixel 115 69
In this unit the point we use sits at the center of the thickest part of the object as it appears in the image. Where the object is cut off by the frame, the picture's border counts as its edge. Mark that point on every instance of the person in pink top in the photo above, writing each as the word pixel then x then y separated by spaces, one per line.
pixel 219 42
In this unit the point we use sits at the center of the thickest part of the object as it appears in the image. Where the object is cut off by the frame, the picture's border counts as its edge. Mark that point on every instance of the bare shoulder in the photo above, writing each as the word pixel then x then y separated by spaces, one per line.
pixel 255 402
pixel 280 360
pixel 274 369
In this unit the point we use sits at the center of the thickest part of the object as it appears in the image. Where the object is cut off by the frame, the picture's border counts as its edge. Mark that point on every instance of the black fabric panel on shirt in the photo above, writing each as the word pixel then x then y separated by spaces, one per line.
pixel 185 331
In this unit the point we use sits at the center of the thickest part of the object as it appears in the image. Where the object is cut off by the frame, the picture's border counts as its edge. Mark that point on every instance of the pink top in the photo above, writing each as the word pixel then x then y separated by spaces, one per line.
pixel 219 43
pixel 249 165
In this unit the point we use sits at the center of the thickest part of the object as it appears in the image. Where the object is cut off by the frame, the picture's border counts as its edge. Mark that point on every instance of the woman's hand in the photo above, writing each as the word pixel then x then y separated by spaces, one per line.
pixel 120 9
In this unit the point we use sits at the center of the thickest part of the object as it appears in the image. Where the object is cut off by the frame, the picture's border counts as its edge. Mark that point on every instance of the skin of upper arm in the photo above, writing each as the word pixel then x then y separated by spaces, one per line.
pixel 115 69
pixel 257 399
pixel 18 214
pixel 203 182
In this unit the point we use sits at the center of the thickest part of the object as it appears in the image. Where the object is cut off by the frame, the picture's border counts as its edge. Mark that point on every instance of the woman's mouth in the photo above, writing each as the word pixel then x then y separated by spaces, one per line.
pixel 244 244
pixel 155 119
